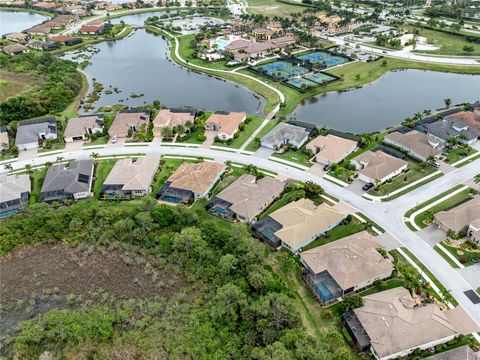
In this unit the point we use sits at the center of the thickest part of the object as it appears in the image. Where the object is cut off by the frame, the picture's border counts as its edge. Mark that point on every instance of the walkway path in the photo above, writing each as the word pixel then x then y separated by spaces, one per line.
pixel 257 130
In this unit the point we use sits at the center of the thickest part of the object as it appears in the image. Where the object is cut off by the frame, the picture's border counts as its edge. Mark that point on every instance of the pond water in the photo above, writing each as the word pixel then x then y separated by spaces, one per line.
pixel 139 64
pixel 17 21
pixel 139 19
pixel 388 101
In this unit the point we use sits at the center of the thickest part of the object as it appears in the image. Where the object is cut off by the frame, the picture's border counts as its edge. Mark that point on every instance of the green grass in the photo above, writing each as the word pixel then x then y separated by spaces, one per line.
pixel 416 171
pixel 474 158
pixel 273 8
pixel 421 219
pixel 446 258
pixel 297 156
pixel 243 135
pixel 458 153
pixel 37 181
pixel 102 169
pixel 281 202
pixel 338 232
pixel 255 145
pixel 164 173
pixel 468 255
pixel 422 205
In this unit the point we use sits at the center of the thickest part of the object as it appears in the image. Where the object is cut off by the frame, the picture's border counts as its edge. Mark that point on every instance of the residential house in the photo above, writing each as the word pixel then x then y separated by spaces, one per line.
pixel 297 224
pixel 471 118
pixel 93 29
pixel 15 49
pixel 130 178
pixel 392 325
pixel 225 124
pixel 330 149
pixel 246 198
pixel 47 6
pixel 66 39
pixel 285 134
pixel 32 133
pixel 464 352
pixel 4 141
pixel 416 144
pixel 128 121
pixel 80 128
pixel 191 181
pixel 14 193
pixel 379 166
pixel 463 217
pixel 344 266
pixel 71 182
pixel 42 45
pixel 17 37
pixel 445 129
pixel 171 118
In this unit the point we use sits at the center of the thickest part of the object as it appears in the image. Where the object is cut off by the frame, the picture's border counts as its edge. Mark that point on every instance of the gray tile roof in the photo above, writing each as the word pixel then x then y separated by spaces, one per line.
pixel 27 132
pixel 72 179
pixel 283 132
pixel 13 186
pixel 444 129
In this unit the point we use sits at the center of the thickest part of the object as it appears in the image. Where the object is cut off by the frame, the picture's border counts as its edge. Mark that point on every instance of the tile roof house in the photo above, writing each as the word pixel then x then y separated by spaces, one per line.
pixel 17 37
pixel 93 29
pixel 378 165
pixel 171 118
pixel 244 50
pixel 465 216
pixel 464 352
pixel 416 144
pixel 226 124
pixel 78 128
pixel 284 134
pixel 4 141
pixel 15 49
pixel 298 223
pixel 341 267
pixel 42 45
pixel 444 129
pixel 31 133
pixel 72 182
pixel 191 181
pixel 14 192
pixel 126 120
pixel 392 325
pixel 331 149
pixel 471 118
pixel 130 178
pixel 246 198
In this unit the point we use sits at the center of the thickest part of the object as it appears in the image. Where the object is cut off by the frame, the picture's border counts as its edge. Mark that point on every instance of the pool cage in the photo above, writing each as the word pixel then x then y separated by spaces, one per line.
pixel 324 286
pixel 265 230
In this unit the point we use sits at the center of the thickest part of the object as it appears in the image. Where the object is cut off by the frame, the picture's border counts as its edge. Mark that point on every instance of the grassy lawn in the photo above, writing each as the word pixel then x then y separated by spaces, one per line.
pixel 164 173
pixel 12 84
pixel 102 169
pixel 297 156
pixel 37 180
pixel 458 153
pixel 338 232
pixel 284 200
pixel 446 257
pixel 416 172
pixel 273 8
pixel 187 52
pixel 448 44
pixel 255 145
pixel 465 258
pixel 421 219
pixel 253 124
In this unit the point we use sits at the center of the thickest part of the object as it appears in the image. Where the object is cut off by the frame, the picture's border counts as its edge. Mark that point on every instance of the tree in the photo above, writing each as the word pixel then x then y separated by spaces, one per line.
pixel 312 189
pixel 351 302
pixel 468 49
pixel 8 167
pixel 447 102
pixel 167 132
pixel 431 160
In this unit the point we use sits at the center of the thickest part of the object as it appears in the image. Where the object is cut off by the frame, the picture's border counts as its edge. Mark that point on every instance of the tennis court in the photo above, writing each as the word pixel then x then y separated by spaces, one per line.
pixel 282 70
pixel 322 58
pixel 320 78
pixel 302 83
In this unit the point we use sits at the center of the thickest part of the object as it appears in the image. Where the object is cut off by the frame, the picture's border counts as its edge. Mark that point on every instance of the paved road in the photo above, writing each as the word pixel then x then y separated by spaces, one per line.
pixel 388 215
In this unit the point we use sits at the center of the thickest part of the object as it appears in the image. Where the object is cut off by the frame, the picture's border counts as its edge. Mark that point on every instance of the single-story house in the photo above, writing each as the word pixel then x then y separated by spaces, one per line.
pixel 4 142
pixel 284 134
pixel 226 124
pixel 444 129
pixel 78 128
pixel 32 133
pixel 17 37
pixel 331 149
pixel 416 144
pixel 464 352
pixel 297 224
pixel 392 325
pixel 191 181
pixel 72 182
pixel 471 118
pixel 246 198
pixel 14 192
pixel 93 29
pixel 15 49
pixel 378 165
pixel 130 178
pixel 464 217
pixel 66 39
pixel 42 45
pixel 344 266
pixel 128 120
pixel 171 118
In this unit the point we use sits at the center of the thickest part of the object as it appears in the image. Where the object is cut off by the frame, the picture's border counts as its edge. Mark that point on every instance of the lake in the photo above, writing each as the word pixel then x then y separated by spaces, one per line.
pixel 139 19
pixel 387 101
pixel 17 21
pixel 139 64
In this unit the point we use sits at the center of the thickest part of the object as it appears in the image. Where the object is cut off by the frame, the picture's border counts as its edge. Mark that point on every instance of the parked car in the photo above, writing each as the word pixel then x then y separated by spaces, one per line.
pixel 368 186
pixel 327 167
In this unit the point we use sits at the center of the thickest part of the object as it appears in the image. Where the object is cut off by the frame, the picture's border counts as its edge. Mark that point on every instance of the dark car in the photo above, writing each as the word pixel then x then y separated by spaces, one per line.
pixel 327 167
pixel 367 186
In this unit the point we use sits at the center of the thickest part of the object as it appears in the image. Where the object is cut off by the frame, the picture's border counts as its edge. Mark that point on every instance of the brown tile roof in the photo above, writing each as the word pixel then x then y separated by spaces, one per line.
pixel 14 49
pixel 471 118
pixel 394 324
pixel 331 148
pixel 378 164
pixel 197 178
pixel 227 123
pixel 460 216
pixel 171 119
pixel 79 126
pixel 416 142
pixel 351 261
pixel 125 120
pixel 134 175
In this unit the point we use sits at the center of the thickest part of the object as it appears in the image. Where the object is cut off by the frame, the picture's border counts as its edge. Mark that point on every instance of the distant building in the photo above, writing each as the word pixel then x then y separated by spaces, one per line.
pixel 285 134
pixel 331 149
pixel 344 266
pixel 15 49
pixel 42 45
pixel 32 133
pixel 191 181
pixel 470 118
pixel 445 129
pixel 225 124
pixel 130 178
pixel 93 29
pixel 245 50
pixel 14 193
pixel 377 165
pixel 132 120
pixel 416 144
pixel 171 118
pixel 246 198
pixel 17 37
pixel 79 128
pixel 71 182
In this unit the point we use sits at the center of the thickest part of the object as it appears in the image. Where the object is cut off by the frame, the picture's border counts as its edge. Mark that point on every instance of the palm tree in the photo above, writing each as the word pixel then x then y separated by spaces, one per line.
pixel 431 160
pixel 188 126
pixel 59 159
pixel 477 179
pixel 447 102
pixel 95 157
pixel 8 167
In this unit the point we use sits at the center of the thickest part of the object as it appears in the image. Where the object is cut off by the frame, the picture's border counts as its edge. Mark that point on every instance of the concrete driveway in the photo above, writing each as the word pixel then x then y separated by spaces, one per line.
pixel 210 139
pixel 317 169
pixel 432 235
pixel 264 152
pixel 388 241
pixel 356 187
pixel 27 154
pixel 74 146
pixel 444 167
pixel 472 275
